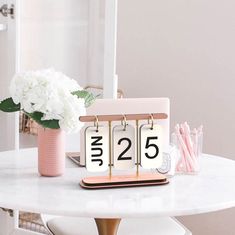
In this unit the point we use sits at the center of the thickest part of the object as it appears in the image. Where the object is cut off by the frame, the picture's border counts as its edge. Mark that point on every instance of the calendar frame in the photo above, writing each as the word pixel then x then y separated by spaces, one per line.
pixel 111 180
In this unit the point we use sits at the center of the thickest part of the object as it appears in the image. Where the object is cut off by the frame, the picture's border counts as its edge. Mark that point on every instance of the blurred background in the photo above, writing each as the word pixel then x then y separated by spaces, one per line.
pixel 184 50
pixel 181 49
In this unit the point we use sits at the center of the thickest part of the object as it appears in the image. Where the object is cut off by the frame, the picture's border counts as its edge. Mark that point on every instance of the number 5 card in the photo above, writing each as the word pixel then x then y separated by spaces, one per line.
pixel 150 146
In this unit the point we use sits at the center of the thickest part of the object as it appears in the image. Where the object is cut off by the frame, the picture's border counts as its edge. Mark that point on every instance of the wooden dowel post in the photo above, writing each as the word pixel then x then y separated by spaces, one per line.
pixel 110 149
pixel 137 148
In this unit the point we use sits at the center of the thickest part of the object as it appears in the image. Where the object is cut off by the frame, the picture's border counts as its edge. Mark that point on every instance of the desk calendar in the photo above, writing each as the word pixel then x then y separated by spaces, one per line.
pixel 123 146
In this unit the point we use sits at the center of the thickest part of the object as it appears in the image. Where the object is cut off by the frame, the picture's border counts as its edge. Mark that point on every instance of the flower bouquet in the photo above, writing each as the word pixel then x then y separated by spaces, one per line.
pixel 55 102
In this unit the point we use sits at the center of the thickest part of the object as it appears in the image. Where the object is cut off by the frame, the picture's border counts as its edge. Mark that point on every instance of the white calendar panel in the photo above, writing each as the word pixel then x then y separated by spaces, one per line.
pixel 97 148
pixel 151 146
pixel 124 147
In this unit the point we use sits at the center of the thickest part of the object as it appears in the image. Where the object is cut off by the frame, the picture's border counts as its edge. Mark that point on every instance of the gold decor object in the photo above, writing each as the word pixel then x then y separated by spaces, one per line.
pixel 27 125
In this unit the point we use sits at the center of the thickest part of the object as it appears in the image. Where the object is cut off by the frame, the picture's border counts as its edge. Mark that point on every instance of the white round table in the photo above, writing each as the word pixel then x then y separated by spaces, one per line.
pixel 23 189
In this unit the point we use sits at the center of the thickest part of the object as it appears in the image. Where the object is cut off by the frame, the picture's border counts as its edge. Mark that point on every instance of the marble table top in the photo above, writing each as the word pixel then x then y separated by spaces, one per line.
pixel 22 188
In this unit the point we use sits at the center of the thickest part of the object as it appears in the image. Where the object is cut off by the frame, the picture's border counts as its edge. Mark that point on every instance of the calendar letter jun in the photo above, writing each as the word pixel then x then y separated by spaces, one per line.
pixel 97 148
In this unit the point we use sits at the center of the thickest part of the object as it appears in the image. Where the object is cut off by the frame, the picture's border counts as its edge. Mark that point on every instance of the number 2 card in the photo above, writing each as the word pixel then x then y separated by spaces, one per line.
pixel 124 147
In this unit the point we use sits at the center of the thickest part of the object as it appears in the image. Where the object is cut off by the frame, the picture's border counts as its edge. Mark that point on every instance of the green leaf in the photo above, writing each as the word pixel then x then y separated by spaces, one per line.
pixel 37 116
pixel 81 93
pixel 8 105
pixel 87 96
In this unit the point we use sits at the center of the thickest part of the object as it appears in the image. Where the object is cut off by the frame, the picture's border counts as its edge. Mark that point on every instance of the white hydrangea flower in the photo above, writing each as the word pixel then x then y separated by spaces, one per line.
pixel 74 108
pixel 49 92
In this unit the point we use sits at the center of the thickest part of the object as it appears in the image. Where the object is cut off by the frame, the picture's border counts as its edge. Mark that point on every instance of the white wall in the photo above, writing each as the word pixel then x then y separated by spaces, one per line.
pixel 8 64
pixel 185 50
pixel 67 35
pixel 64 34
pixel 54 34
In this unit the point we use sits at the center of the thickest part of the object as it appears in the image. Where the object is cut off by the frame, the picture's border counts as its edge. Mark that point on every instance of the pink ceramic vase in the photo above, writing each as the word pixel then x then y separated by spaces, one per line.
pixel 51 151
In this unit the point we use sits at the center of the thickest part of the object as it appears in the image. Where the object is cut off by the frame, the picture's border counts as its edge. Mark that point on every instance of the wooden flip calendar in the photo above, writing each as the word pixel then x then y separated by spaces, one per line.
pixel 124 141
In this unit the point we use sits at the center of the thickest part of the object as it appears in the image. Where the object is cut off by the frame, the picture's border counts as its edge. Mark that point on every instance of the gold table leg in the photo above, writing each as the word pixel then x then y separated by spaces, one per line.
pixel 107 226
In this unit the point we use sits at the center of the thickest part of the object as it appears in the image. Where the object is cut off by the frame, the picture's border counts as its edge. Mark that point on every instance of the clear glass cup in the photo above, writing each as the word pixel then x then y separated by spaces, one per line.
pixel 189 152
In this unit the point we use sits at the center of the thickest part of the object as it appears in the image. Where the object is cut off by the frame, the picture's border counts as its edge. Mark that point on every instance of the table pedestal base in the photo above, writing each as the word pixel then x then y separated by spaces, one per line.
pixel 87 226
pixel 107 226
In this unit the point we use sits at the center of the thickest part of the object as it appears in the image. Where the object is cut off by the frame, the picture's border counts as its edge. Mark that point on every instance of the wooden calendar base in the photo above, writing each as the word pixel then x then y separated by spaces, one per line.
pixel 119 181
